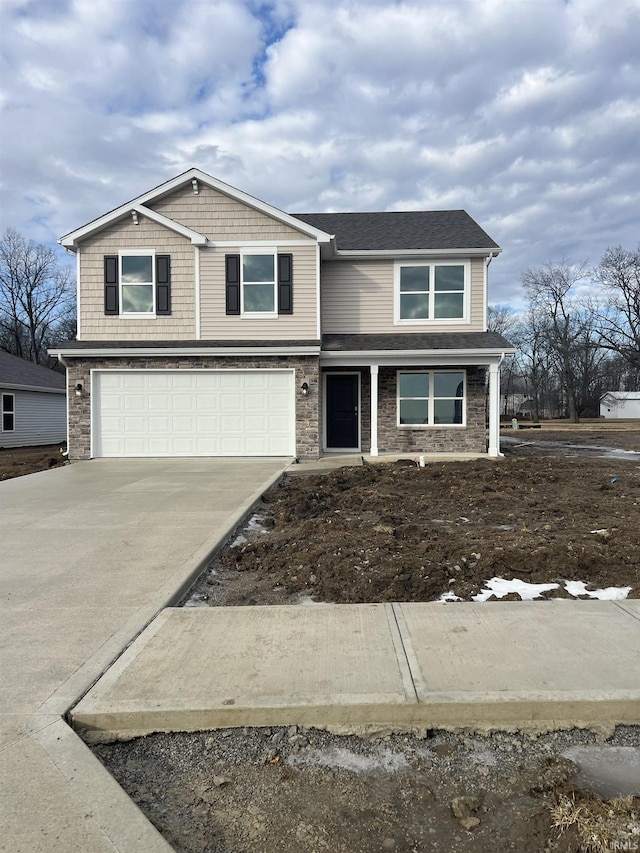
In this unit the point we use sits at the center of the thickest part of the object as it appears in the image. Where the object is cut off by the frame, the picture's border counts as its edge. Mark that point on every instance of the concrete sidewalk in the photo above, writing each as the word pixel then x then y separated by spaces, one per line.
pixel 526 665
pixel 90 554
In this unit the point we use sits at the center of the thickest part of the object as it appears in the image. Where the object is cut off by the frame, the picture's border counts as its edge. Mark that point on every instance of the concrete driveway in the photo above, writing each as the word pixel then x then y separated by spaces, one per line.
pixel 90 554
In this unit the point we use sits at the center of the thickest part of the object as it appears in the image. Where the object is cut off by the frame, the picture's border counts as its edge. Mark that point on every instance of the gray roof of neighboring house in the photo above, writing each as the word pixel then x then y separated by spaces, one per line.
pixel 420 341
pixel 20 372
pixel 424 229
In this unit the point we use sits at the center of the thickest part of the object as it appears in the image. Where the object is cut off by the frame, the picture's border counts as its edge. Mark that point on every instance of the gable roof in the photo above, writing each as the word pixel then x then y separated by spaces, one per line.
pixel 411 230
pixel 20 374
pixel 139 205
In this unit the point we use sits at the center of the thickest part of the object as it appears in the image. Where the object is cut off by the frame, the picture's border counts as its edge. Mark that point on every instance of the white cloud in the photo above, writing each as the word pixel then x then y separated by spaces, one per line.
pixel 524 113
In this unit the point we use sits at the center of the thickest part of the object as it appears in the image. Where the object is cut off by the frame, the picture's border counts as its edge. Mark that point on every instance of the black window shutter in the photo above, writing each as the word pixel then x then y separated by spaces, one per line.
pixel 163 284
pixel 232 273
pixel 111 284
pixel 285 284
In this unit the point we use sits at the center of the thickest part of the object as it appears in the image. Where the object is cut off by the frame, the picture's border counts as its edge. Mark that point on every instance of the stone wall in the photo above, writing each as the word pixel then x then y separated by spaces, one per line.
pixel 307 408
pixel 454 439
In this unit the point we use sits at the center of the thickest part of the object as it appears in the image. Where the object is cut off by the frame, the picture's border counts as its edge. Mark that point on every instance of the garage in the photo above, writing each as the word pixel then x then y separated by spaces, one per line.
pixel 196 412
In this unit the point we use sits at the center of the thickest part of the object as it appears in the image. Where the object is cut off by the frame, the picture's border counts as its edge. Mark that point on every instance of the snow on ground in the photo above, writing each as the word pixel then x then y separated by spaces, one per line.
pixel 528 591
pixel 345 759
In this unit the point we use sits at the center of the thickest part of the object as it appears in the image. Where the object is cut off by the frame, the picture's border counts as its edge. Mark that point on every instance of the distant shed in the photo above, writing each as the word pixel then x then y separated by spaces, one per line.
pixel 620 404
pixel 33 403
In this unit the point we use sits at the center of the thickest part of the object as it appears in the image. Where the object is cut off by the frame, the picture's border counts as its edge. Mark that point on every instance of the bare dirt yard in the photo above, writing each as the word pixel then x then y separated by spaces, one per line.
pixel 396 532
pixel 543 515
pixel 18 461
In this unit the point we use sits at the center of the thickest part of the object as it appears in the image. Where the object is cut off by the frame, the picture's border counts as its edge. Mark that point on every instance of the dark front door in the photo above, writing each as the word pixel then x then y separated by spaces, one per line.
pixel 342 410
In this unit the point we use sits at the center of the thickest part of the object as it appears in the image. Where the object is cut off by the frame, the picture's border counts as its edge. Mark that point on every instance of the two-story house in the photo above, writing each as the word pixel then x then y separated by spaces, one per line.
pixel 213 324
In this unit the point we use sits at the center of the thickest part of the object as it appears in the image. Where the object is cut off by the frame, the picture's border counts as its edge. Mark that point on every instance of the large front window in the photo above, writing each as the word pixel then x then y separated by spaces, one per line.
pixel 430 292
pixel 137 283
pixel 259 283
pixel 431 398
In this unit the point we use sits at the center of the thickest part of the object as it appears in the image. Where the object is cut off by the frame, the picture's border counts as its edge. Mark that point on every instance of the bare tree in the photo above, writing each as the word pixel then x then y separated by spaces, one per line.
pixel 501 319
pixel 619 317
pixel 548 289
pixel 35 296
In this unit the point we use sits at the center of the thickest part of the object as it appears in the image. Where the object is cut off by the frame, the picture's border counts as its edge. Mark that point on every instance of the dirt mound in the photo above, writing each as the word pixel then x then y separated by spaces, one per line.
pixel 395 532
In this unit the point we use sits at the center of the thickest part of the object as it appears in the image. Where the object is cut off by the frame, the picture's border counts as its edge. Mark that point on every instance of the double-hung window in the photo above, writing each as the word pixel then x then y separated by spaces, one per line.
pixel 258 283
pixel 137 282
pixel 427 292
pixel 8 413
pixel 431 398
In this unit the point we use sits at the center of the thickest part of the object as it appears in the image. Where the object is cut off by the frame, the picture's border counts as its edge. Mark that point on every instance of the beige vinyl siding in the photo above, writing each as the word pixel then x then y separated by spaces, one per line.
pixel 357 297
pixel 220 217
pixel 216 325
pixel 95 325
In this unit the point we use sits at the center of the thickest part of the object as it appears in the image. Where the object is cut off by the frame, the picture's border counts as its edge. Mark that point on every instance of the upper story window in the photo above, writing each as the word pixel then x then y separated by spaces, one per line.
pixel 8 412
pixel 259 283
pixel 431 292
pixel 137 283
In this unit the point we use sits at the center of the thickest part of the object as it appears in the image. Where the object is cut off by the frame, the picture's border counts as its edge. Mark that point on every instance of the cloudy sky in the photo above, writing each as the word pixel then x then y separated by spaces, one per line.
pixel 524 112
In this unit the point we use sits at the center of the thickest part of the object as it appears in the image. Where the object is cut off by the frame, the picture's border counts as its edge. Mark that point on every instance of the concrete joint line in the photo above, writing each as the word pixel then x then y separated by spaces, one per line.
pixel 407 660
pixel 627 608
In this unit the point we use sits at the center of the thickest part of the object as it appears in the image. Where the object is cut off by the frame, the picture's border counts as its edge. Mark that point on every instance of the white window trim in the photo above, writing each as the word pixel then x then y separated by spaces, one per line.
pixel 7 412
pixel 259 250
pixel 123 253
pixel 431 400
pixel 432 321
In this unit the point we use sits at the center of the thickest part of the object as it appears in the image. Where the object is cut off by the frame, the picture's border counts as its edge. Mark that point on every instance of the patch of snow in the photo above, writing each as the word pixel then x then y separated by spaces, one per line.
pixel 195 601
pixel 345 759
pixel 449 596
pixel 484 757
pixel 239 540
pixel 611 593
pixel 307 601
pixel 500 587
pixel 254 524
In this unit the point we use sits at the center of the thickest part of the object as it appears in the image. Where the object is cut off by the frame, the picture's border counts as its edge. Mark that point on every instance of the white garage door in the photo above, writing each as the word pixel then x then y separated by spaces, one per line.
pixel 193 413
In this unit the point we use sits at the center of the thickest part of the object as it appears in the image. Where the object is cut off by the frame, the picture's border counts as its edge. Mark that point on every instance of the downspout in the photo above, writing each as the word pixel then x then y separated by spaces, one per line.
pixel 487 261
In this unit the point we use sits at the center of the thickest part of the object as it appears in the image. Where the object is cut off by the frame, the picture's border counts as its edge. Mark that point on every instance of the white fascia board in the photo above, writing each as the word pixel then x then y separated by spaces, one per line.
pixel 40 388
pixel 69 240
pixel 390 358
pixel 131 352
pixel 372 254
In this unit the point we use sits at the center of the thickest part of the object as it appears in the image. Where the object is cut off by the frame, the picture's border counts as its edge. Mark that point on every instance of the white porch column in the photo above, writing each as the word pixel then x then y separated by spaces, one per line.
pixel 494 409
pixel 373 369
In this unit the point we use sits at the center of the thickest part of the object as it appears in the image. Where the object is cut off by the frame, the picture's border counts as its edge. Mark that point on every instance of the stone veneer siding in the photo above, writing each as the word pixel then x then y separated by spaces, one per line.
pixel 307 408
pixel 394 439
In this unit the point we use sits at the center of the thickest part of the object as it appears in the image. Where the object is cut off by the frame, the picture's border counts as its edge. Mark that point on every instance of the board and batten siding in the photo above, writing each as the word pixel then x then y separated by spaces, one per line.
pixel 40 417
pixel 302 324
pixel 219 217
pixel 95 325
pixel 357 298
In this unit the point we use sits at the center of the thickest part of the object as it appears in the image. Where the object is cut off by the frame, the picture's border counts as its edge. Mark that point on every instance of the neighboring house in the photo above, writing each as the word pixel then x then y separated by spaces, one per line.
pixel 213 324
pixel 620 404
pixel 33 403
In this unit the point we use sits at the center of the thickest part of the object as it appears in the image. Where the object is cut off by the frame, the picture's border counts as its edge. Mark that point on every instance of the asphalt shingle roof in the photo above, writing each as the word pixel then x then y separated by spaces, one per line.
pixel 19 371
pixel 420 341
pixel 424 229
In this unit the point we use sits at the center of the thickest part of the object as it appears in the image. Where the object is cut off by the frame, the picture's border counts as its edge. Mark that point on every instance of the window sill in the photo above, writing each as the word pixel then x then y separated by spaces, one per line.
pixel 427 427
pixel 453 321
